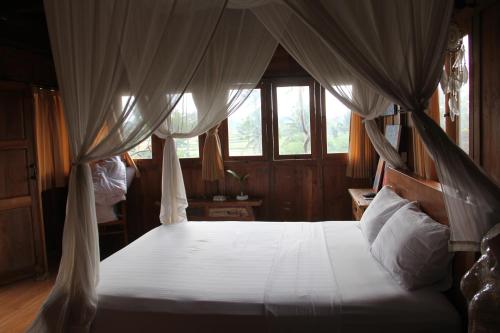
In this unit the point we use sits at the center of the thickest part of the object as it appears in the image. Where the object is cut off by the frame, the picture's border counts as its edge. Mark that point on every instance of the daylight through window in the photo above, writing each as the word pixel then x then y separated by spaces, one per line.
pixel 338 121
pixel 183 119
pixel 463 119
pixel 245 127
pixel 294 120
pixel 143 151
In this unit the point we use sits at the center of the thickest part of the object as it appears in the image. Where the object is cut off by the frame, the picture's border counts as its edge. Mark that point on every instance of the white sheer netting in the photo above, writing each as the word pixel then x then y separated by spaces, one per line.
pixel 472 198
pixel 234 64
pixel 402 59
pixel 310 51
pixel 104 50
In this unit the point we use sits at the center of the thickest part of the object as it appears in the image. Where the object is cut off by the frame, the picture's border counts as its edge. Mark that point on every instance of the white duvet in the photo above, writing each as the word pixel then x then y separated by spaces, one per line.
pixel 110 186
pixel 263 269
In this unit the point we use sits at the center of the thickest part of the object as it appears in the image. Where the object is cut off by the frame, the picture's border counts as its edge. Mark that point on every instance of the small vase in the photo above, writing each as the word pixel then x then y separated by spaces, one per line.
pixel 242 197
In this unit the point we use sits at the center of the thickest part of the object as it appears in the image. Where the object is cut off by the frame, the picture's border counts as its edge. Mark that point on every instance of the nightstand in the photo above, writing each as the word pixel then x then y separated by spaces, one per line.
pixel 359 204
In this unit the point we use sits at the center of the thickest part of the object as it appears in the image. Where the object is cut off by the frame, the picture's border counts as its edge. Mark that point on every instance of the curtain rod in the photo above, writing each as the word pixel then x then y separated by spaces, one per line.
pixel 44 87
pixel 31 84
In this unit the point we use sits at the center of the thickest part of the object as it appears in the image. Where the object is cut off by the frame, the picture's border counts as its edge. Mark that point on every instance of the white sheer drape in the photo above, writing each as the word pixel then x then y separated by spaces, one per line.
pixel 235 62
pixel 330 71
pixel 104 50
pixel 472 198
pixel 398 50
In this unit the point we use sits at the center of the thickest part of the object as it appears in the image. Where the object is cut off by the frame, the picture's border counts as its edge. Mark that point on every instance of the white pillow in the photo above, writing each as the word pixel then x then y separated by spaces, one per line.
pixel 385 203
pixel 413 248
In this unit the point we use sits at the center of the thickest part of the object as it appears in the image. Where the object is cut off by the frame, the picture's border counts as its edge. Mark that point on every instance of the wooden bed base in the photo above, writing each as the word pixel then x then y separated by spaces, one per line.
pixel 429 195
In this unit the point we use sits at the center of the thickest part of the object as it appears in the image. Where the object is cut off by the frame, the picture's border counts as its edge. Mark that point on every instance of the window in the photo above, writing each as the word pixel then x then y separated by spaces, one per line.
pixel 338 121
pixel 442 108
pixel 293 120
pixel 142 151
pixel 245 127
pixel 183 118
pixel 459 132
pixel 463 118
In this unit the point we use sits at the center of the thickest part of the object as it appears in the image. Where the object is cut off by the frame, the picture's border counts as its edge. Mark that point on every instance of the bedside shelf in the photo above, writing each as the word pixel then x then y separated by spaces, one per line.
pixel 229 210
pixel 359 204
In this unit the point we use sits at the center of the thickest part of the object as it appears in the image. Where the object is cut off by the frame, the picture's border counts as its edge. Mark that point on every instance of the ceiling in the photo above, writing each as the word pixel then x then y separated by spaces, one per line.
pixel 23 25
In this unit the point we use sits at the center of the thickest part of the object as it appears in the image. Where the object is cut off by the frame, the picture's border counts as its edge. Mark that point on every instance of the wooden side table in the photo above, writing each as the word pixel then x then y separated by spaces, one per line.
pixel 229 210
pixel 359 204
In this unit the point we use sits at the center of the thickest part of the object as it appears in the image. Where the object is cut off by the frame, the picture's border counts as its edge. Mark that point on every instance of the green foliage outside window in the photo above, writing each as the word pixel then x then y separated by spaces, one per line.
pixel 294 120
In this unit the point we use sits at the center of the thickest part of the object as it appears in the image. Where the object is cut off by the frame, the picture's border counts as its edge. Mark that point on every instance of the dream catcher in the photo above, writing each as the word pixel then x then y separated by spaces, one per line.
pixel 458 75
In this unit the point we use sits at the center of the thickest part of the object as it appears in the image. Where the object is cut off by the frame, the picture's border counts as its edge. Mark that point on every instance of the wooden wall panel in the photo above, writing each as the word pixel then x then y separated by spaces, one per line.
pixel 27 66
pixel 22 248
pixel 16 241
pixel 337 203
pixel 336 200
pixel 193 182
pixel 14 182
pixel 490 92
pixel 12 123
pixel 257 185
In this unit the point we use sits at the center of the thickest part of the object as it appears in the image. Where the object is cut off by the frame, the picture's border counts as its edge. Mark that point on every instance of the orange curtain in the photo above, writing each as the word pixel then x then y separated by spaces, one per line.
pixel 212 166
pixel 52 144
pixel 423 164
pixel 361 158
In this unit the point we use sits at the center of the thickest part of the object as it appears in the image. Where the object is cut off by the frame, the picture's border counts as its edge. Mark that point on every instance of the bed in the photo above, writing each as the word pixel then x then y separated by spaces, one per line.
pixel 260 277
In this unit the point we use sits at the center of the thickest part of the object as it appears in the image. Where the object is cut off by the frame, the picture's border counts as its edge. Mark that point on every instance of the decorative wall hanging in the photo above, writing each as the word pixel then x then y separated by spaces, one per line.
pixel 457 75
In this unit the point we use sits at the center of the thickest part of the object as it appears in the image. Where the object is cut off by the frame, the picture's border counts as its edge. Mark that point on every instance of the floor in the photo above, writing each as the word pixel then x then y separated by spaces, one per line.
pixel 20 301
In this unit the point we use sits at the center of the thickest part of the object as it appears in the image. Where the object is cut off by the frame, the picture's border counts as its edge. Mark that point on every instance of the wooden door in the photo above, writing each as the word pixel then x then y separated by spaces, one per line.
pixel 22 248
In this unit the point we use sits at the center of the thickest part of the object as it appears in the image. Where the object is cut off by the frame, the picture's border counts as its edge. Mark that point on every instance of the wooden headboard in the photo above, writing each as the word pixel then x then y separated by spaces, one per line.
pixel 427 192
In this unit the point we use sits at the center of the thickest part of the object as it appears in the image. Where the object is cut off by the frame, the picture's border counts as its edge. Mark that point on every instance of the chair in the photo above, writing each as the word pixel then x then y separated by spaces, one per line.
pixel 118 226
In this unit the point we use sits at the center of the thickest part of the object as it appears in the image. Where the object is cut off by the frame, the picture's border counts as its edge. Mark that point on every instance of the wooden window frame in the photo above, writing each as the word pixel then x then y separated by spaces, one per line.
pixel 152 152
pixel 288 82
pixel 324 144
pixel 265 120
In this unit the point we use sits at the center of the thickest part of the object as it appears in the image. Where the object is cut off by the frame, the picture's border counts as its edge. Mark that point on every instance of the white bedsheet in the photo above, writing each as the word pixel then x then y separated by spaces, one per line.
pixel 266 270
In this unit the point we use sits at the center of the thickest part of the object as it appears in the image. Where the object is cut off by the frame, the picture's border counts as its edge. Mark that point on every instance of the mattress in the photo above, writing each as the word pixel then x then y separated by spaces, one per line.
pixel 260 276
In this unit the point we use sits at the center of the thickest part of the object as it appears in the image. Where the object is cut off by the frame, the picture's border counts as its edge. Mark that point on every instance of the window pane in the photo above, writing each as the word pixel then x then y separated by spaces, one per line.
pixel 245 128
pixel 187 148
pixel 463 119
pixel 143 150
pixel 442 108
pixel 183 119
pixel 338 121
pixel 294 120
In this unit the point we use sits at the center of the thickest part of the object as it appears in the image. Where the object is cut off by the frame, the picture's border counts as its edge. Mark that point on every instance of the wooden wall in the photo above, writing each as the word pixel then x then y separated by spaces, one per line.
pixel 486 32
pixel 35 67
pixel 27 66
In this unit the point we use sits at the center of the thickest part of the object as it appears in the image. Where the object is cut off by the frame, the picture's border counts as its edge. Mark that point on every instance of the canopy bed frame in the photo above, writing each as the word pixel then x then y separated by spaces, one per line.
pixel 115 97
